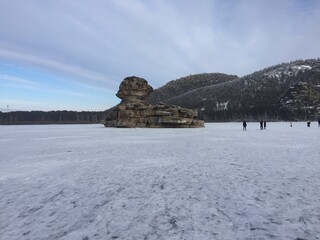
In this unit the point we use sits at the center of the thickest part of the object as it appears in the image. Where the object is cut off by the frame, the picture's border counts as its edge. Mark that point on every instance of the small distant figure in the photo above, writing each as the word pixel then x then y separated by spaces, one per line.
pixel 290 124
pixel 318 122
pixel 244 124
pixel 261 125
pixel 308 123
pixel 265 125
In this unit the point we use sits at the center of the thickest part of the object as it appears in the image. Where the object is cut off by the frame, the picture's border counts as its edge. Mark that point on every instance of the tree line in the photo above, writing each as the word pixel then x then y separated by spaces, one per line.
pixel 51 117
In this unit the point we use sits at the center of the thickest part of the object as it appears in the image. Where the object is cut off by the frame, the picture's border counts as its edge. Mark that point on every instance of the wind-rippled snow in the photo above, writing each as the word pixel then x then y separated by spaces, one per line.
pixel 89 182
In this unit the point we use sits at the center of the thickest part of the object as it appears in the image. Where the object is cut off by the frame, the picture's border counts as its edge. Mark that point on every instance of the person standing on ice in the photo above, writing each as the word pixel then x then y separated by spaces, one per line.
pixel 308 123
pixel 318 122
pixel 264 125
pixel 244 124
pixel 290 124
pixel 261 125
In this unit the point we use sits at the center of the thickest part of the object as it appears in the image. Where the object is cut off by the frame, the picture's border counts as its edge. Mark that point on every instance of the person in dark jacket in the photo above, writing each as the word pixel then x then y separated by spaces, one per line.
pixel 244 124
pixel 261 125
pixel 308 123
pixel 264 125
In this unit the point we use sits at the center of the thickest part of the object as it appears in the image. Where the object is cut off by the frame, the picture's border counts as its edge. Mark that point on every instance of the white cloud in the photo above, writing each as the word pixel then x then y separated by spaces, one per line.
pixel 99 42
pixel 18 82
pixel 53 65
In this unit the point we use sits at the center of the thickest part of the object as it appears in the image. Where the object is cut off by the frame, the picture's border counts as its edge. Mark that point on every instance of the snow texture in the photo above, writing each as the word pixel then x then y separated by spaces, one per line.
pixel 288 70
pixel 90 182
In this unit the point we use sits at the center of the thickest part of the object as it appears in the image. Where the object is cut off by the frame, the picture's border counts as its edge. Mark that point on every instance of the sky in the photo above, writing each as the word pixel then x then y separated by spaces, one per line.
pixel 73 54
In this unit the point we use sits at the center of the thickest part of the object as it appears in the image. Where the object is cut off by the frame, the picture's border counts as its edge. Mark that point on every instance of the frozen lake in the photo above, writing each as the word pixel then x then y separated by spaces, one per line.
pixel 88 182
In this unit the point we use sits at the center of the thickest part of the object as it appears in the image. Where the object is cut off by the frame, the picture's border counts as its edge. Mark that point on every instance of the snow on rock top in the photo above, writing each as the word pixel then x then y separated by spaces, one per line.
pixel 302 67
pixel 288 70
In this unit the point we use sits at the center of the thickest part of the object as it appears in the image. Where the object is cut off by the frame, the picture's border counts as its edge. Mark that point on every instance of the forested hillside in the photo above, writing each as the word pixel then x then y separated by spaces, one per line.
pixel 266 94
pixel 182 85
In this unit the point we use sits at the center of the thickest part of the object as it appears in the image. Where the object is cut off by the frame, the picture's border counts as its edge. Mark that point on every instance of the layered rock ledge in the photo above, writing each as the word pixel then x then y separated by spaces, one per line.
pixel 133 111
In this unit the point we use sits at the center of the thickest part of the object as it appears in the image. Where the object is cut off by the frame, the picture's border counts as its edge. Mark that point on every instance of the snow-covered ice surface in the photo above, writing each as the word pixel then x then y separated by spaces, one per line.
pixel 90 182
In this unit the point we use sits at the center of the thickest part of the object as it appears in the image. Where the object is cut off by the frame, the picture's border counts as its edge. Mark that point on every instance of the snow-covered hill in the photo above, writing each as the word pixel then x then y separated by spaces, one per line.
pixel 90 182
pixel 258 95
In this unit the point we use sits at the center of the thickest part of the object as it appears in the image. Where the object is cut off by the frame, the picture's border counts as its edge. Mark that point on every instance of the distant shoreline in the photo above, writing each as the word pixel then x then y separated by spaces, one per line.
pixel 73 117
pixel 84 122
pixel 45 123
pixel 51 117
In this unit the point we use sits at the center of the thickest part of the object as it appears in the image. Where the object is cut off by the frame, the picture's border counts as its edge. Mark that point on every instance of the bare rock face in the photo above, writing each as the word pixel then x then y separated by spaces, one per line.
pixel 133 111
pixel 133 89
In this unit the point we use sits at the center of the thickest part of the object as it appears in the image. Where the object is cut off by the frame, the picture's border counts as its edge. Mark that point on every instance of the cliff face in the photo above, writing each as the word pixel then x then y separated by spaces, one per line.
pixel 263 94
pixel 133 111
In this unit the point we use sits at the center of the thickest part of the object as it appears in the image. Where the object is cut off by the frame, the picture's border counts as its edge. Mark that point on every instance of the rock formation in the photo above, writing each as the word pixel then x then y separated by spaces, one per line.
pixel 133 111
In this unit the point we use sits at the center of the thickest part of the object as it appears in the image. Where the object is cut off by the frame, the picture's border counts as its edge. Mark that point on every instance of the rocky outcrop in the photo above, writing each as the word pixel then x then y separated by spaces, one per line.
pixel 300 102
pixel 133 111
